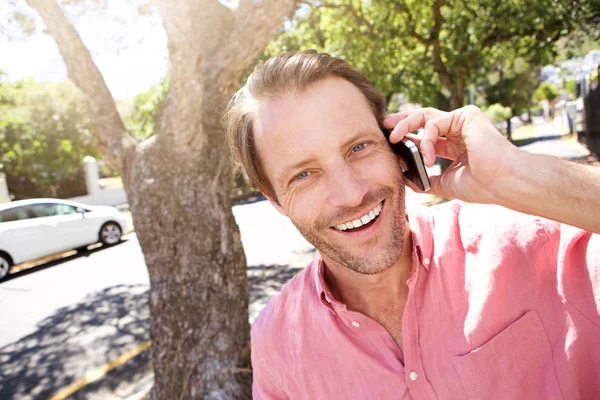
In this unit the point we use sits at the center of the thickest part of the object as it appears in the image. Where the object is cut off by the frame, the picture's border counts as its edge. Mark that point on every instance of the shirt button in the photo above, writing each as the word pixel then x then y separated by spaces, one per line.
pixel 413 376
pixel 355 324
pixel 426 261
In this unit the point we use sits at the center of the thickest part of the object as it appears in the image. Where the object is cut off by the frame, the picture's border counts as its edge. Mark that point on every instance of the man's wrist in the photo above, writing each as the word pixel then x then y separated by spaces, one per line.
pixel 514 184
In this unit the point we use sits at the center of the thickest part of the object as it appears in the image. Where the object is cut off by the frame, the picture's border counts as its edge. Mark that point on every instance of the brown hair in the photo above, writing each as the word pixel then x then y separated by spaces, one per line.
pixel 282 75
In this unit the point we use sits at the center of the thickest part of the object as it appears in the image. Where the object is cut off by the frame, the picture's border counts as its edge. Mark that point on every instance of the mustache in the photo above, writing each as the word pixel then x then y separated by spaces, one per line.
pixel 371 198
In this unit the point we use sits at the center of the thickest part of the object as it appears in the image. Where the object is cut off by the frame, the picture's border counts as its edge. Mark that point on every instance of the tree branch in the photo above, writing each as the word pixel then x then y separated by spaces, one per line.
pixel 358 18
pixel 402 7
pixel 209 47
pixel 436 53
pixel 107 127
pixel 256 23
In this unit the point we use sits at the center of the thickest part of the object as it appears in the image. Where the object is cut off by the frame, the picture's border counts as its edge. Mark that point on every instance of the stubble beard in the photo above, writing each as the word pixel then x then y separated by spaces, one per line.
pixel 344 254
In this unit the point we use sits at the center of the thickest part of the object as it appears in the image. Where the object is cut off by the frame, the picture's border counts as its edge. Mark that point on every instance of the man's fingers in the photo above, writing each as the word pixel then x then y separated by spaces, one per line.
pixel 440 146
pixel 392 120
pixel 411 121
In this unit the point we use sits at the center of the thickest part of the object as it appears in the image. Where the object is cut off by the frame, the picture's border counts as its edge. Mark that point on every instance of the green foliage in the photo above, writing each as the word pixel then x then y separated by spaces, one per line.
pixel 571 87
pixel 511 82
pixel 577 44
pixel 546 91
pixel 141 118
pixel 428 52
pixel 44 133
pixel 498 113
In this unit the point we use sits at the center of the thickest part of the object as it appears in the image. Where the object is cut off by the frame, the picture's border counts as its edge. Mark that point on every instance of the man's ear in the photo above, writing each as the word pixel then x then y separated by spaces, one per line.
pixel 275 204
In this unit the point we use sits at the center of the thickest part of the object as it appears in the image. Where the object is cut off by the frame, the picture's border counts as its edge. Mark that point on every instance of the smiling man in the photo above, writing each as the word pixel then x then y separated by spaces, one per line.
pixel 467 301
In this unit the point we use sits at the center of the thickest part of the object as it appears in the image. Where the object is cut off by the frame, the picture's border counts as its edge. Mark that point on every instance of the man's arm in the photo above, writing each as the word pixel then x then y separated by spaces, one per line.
pixel 553 188
pixel 487 168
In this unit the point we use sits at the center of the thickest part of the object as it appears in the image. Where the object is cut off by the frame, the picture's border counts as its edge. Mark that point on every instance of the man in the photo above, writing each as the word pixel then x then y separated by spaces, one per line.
pixel 468 301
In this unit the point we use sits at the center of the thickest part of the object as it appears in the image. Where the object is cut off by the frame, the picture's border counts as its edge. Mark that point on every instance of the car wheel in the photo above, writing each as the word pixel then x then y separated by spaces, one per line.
pixel 5 265
pixel 110 233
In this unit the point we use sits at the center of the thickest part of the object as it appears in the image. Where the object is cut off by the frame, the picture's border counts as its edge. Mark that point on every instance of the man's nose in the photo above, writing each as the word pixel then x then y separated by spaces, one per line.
pixel 346 187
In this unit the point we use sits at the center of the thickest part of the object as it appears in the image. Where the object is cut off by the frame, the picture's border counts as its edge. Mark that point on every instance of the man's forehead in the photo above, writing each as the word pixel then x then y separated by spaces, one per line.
pixel 330 104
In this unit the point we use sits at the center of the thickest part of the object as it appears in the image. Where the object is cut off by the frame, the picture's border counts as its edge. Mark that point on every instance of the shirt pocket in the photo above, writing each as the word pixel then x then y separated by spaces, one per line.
pixel 515 364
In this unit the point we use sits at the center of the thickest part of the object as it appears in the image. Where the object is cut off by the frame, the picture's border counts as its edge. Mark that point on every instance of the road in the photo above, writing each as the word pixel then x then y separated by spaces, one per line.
pixel 66 317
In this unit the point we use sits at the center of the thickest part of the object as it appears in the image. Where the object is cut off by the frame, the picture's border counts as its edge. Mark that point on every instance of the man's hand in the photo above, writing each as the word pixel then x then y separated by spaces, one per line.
pixel 481 154
pixel 487 168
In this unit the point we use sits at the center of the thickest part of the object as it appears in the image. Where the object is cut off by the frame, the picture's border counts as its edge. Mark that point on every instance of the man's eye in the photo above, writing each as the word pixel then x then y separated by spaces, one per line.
pixel 301 176
pixel 358 147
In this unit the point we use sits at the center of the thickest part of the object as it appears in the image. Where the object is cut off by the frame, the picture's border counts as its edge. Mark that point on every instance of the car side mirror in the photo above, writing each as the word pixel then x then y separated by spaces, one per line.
pixel 81 210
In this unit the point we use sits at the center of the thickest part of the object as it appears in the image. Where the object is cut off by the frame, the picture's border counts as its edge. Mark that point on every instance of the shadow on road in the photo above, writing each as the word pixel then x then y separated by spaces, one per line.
pixel 524 142
pixel 95 331
pixel 40 265
pixel 266 280
pixel 75 339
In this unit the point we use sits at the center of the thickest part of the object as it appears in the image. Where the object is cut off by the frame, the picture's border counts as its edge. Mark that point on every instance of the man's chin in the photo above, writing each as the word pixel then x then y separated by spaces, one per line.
pixel 372 261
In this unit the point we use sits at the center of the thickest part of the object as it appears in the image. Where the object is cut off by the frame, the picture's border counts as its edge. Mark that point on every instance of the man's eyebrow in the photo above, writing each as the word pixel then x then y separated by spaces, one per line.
pixel 361 134
pixel 282 176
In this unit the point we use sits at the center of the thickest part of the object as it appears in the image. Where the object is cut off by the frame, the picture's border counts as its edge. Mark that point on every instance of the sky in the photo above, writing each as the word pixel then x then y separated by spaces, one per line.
pixel 131 52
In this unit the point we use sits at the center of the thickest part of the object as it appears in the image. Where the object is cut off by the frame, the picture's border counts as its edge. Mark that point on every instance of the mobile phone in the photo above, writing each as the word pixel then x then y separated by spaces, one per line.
pixel 410 153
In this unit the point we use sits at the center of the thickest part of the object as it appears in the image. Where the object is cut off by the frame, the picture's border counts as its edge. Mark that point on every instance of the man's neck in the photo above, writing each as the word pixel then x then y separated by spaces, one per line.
pixel 372 295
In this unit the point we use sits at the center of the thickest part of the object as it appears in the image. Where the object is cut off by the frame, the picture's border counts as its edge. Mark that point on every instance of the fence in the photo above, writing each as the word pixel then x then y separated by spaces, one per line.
pixel 589 132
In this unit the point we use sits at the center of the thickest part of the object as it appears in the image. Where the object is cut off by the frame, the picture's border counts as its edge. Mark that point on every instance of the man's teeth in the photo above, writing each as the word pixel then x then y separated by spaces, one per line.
pixel 361 221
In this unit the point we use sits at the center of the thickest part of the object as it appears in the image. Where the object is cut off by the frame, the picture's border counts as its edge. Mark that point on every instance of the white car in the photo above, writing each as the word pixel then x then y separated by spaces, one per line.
pixel 31 229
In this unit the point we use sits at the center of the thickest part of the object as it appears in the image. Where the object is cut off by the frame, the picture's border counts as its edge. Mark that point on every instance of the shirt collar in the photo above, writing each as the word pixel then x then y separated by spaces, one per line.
pixel 319 276
pixel 421 225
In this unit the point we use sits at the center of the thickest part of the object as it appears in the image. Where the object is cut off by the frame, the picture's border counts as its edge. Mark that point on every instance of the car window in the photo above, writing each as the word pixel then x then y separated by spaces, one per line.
pixel 64 209
pixel 14 214
pixel 44 210
pixel 52 209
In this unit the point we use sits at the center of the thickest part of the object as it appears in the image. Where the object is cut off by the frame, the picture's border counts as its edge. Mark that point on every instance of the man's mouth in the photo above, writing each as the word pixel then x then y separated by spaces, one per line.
pixel 360 223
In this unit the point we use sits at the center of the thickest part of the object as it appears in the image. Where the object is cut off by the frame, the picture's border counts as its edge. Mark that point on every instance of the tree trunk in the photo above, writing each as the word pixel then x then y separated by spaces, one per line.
pixel 178 184
pixel 508 129
pixel 196 263
pixel 457 99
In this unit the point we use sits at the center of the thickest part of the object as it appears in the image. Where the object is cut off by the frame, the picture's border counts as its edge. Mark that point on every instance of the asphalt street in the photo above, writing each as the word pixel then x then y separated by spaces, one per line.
pixel 65 318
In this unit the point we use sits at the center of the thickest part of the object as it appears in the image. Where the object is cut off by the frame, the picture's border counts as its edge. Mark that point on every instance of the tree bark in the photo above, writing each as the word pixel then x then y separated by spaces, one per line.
pixel 198 297
pixel 178 183
pixel 457 95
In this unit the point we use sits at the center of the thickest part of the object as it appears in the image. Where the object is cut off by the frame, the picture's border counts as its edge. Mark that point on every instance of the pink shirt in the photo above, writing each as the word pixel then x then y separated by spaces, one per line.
pixel 501 305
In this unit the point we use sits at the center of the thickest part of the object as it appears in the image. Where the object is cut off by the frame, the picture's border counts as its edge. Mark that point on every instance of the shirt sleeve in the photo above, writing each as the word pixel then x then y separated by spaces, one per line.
pixel 264 384
pixel 578 269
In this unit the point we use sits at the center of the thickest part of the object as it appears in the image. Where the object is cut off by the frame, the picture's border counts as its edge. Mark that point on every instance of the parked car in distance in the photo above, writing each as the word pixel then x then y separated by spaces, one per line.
pixel 30 229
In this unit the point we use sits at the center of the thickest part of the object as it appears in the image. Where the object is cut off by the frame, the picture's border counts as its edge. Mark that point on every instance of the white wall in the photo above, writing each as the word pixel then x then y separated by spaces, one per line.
pixel 4 197
pixel 104 197
pixel 96 195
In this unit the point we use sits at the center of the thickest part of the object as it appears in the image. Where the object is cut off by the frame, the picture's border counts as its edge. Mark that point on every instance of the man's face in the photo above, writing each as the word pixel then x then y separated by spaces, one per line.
pixel 330 167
